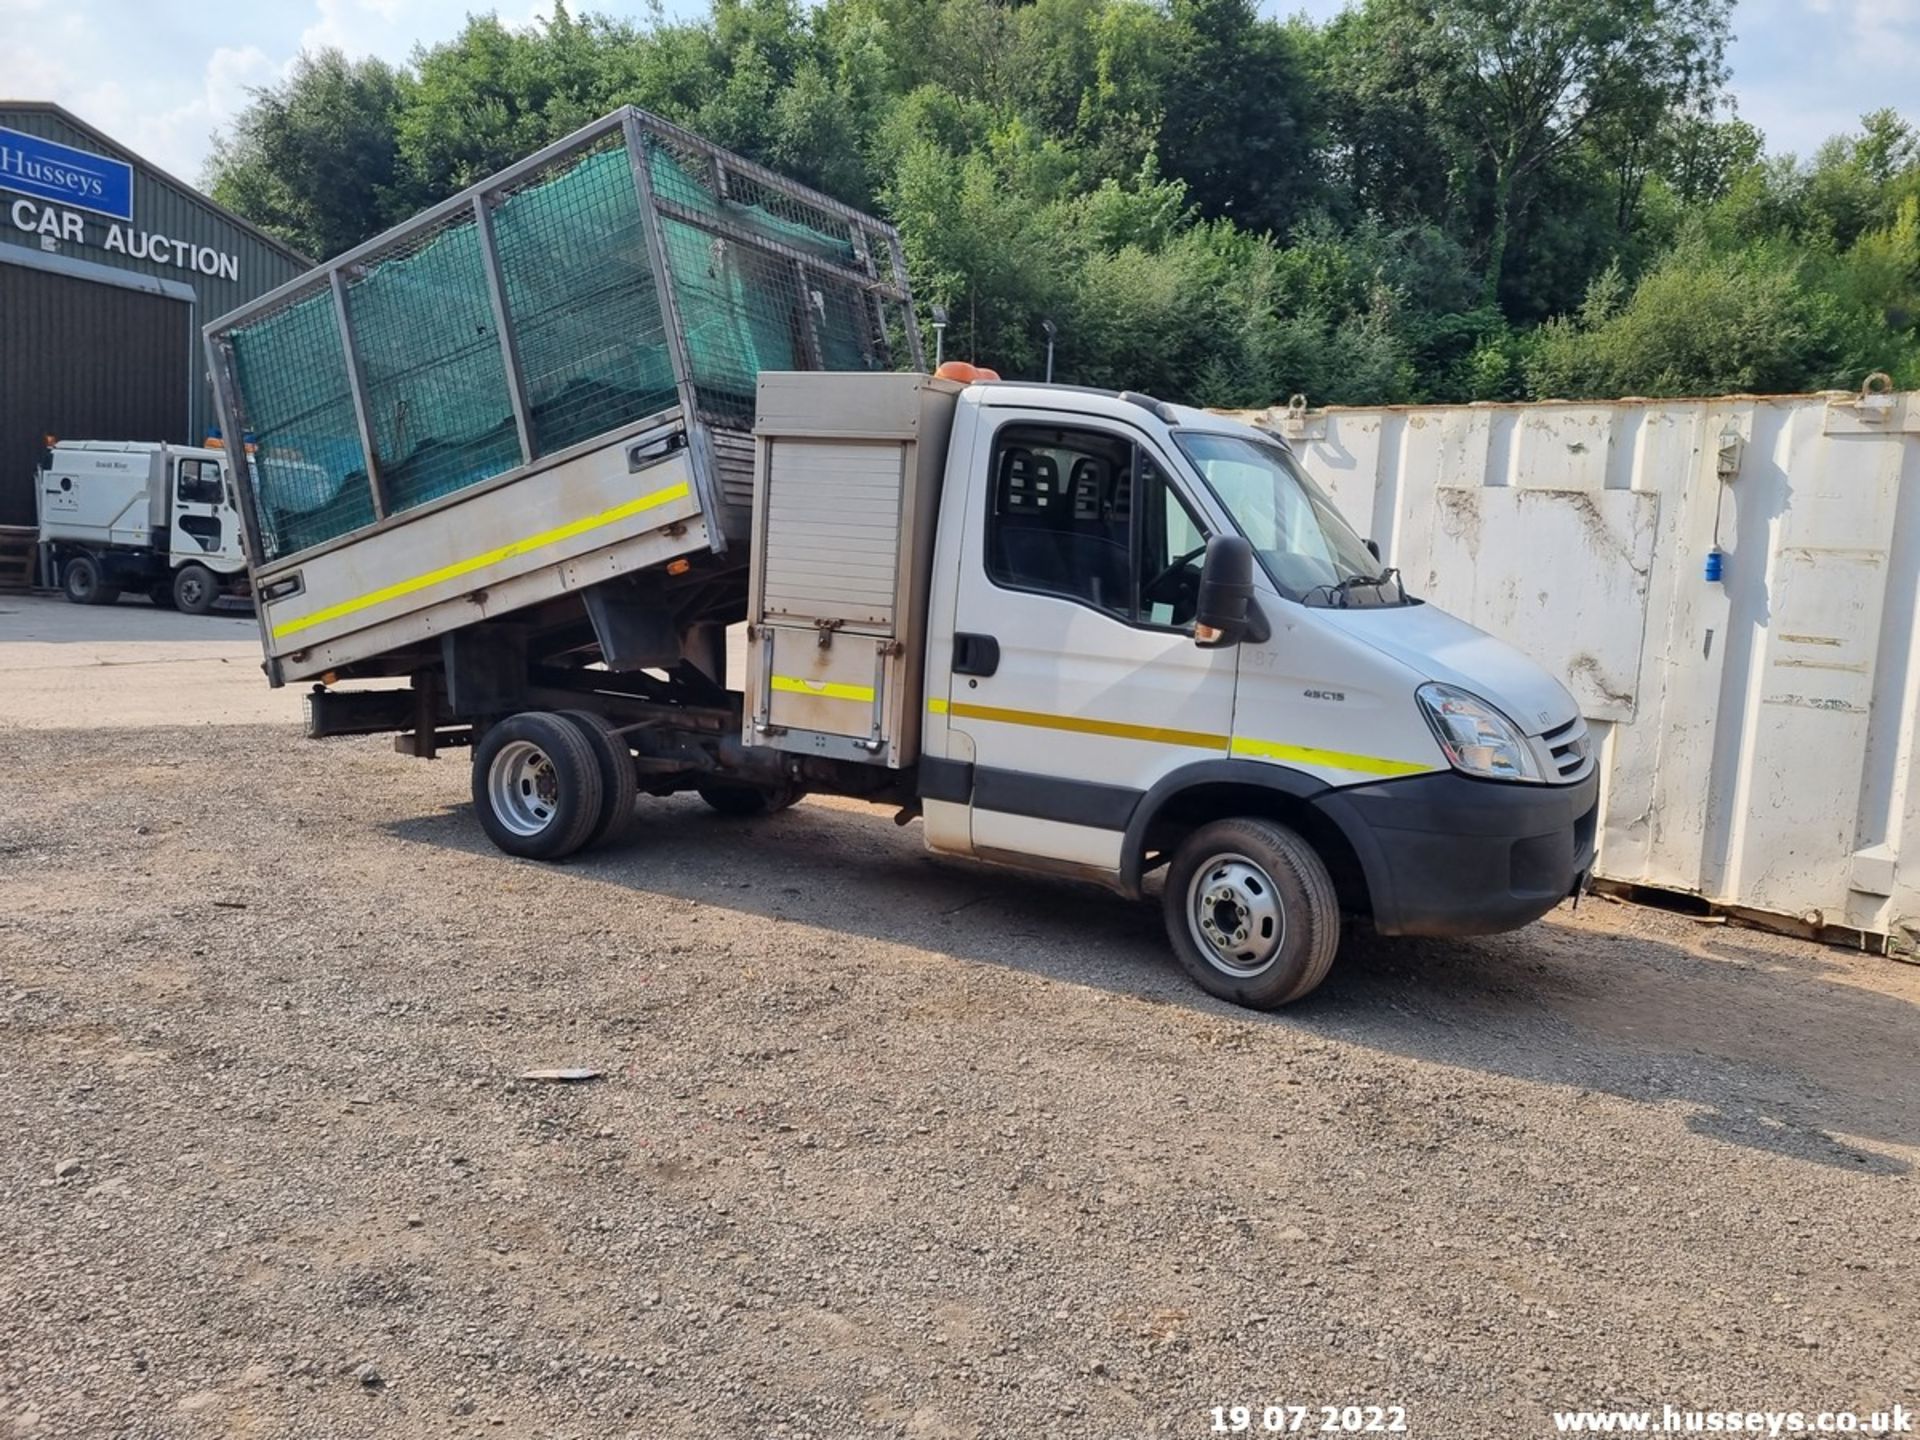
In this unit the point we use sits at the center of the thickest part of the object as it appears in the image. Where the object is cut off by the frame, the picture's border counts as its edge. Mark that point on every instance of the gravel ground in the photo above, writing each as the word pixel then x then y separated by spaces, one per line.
pixel 885 1145
pixel 130 664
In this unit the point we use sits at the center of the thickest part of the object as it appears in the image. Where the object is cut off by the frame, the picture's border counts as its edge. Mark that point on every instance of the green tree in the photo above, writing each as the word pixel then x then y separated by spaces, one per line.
pixel 1516 84
pixel 1238 114
pixel 316 159
pixel 1208 204
pixel 494 94
pixel 1708 322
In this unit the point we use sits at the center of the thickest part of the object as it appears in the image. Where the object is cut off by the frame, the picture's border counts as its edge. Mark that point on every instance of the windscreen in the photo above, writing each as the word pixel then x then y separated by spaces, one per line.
pixel 1310 553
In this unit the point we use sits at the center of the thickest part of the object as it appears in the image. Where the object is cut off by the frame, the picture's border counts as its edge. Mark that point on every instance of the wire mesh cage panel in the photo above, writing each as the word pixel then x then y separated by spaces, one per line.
pixel 765 276
pixel 436 385
pixel 310 475
pixel 581 294
pixel 628 270
pixel 741 313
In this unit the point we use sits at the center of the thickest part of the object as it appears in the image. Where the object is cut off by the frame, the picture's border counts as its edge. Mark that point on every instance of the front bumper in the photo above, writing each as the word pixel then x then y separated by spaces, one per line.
pixel 1448 855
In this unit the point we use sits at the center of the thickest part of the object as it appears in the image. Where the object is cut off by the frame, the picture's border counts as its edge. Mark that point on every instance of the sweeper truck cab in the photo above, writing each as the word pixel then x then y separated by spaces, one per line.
pixel 1070 631
pixel 130 515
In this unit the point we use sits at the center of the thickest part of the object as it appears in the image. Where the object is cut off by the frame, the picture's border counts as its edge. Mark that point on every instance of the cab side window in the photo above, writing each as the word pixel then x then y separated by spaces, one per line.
pixel 199 482
pixel 1063 522
pixel 1172 545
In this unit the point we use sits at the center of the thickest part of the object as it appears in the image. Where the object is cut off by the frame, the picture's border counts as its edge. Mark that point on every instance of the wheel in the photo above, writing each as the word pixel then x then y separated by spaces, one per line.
pixel 536 786
pixel 619 781
pixel 747 802
pixel 160 592
pixel 86 584
pixel 194 589
pixel 1252 913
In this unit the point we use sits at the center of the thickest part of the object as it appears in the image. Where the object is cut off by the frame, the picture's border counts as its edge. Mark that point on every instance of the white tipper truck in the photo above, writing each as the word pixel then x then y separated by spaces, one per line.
pixel 1072 631
pixel 131 515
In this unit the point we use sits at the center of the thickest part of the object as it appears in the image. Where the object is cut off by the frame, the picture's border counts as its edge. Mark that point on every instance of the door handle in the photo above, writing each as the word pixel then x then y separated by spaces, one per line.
pixel 975 654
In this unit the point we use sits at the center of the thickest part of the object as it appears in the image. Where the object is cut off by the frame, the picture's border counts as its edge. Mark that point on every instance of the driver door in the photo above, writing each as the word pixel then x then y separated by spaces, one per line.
pixel 202 523
pixel 1075 676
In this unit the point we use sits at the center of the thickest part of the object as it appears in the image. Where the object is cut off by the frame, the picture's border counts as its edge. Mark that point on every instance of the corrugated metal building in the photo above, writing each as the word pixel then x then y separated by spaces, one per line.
pixel 108 269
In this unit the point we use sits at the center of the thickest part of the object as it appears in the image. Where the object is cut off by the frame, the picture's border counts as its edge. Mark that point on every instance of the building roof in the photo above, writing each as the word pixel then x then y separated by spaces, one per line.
pixel 193 192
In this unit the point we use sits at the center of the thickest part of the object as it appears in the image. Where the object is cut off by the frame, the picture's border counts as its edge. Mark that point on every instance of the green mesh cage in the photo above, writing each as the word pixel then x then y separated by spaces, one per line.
pixel 760 274
pixel 586 313
pixel 436 384
pixel 310 476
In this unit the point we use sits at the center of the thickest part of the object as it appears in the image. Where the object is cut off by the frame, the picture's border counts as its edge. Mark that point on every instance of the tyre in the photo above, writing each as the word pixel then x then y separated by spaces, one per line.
pixel 619 780
pixel 194 589
pixel 85 583
pixel 536 786
pixel 748 802
pixel 1252 913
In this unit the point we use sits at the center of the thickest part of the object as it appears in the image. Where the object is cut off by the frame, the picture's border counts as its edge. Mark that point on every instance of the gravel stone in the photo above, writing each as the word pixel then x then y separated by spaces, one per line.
pixel 887 1145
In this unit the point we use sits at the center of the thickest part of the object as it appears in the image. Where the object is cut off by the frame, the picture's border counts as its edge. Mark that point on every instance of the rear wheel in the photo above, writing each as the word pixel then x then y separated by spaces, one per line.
pixel 747 802
pixel 1252 913
pixel 194 589
pixel 536 786
pixel 619 781
pixel 85 583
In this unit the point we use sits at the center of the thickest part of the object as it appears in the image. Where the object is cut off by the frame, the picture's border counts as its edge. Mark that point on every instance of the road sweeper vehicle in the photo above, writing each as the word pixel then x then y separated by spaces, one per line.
pixel 573 424
pixel 139 515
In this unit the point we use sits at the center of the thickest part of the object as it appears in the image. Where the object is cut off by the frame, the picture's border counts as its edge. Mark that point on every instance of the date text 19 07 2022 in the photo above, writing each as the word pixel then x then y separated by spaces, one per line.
pixel 1280 1419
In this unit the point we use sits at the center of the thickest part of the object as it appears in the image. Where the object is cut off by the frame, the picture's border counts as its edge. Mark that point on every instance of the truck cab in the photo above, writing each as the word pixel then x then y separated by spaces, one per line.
pixel 1331 745
pixel 130 515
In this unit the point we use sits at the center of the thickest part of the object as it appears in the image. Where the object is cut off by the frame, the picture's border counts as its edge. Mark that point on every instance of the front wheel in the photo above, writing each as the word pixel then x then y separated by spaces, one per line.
pixel 194 589
pixel 536 786
pixel 1252 912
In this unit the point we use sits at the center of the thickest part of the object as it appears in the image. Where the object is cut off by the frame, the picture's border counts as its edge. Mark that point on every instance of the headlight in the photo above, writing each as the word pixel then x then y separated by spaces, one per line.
pixel 1478 739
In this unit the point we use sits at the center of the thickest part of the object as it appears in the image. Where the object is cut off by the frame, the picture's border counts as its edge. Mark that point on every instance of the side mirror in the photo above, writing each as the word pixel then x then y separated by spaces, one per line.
pixel 1224 611
pixel 1373 548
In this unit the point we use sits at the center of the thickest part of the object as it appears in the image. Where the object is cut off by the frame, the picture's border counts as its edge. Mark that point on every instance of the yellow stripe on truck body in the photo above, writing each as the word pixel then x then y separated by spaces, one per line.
pixel 824 689
pixel 1087 725
pixel 1241 747
pixel 526 545
pixel 1315 758
pixel 584 520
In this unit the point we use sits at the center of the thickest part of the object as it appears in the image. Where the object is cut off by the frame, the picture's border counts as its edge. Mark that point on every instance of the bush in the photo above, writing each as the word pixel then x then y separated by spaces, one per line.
pixel 1700 323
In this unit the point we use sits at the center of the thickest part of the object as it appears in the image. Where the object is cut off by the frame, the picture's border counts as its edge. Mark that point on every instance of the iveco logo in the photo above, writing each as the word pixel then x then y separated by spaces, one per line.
pixel 1324 694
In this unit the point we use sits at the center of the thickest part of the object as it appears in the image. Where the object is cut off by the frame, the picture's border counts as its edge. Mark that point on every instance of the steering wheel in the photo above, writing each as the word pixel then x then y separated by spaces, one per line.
pixel 1178 564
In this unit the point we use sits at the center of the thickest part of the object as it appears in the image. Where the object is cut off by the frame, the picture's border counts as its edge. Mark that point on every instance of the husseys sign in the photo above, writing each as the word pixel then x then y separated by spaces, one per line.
pixel 66 176
pixel 65 182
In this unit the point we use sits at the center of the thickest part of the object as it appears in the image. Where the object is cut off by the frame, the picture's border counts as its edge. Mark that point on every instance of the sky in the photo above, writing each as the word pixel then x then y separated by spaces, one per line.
pixel 161 76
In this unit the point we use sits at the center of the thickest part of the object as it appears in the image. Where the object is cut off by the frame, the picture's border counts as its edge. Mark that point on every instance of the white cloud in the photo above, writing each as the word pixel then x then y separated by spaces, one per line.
pixel 55 53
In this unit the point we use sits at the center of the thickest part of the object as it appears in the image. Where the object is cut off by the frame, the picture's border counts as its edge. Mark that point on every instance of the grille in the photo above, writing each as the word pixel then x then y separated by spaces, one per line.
pixel 1571 748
